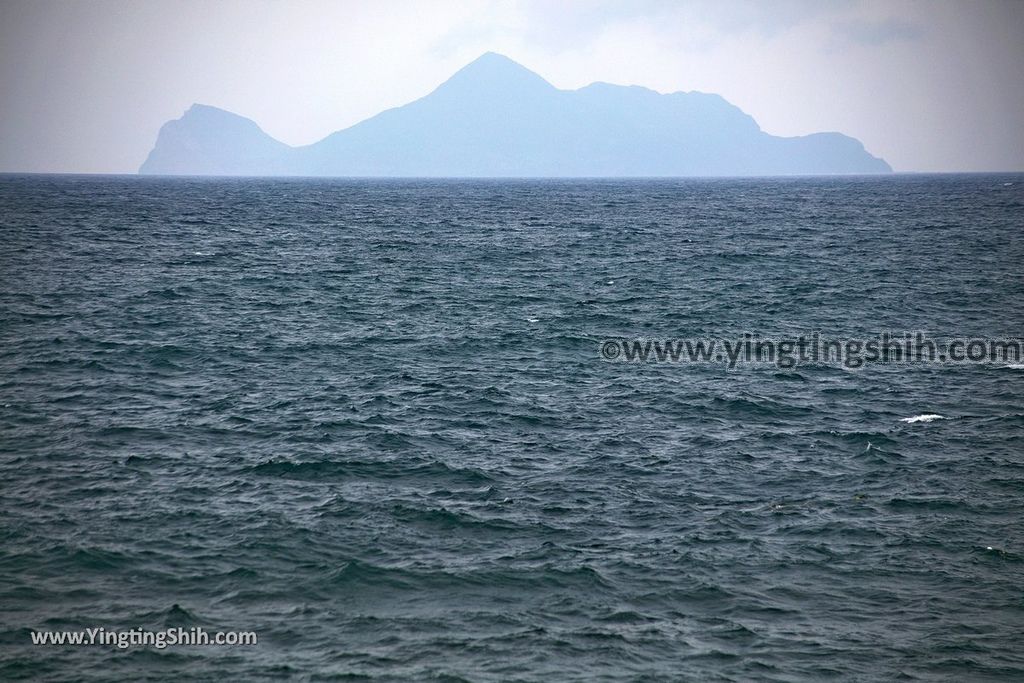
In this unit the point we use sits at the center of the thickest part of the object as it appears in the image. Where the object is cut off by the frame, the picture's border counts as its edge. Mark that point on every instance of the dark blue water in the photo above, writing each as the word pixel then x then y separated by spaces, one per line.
pixel 369 421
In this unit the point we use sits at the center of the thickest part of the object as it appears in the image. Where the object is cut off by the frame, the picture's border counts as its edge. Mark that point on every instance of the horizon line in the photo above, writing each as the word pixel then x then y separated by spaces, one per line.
pixel 511 177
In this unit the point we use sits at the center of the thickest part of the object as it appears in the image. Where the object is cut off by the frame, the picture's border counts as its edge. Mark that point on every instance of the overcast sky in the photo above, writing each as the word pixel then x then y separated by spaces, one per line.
pixel 933 85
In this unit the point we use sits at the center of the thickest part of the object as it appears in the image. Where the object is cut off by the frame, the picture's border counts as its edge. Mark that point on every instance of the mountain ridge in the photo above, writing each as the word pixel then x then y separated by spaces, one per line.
pixel 496 118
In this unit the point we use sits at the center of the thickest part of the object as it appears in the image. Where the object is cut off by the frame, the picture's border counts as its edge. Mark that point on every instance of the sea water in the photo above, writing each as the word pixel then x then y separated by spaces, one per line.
pixel 370 421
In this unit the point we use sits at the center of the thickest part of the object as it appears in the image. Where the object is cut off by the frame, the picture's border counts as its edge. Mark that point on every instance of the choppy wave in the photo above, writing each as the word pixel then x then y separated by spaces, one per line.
pixel 368 420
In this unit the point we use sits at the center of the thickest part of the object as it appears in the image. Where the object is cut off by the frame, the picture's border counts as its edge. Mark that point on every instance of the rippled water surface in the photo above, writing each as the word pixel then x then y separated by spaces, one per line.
pixel 370 421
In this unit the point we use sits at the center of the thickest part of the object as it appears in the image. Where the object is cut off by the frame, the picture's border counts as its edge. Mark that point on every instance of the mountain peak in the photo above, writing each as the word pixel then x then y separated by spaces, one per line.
pixel 496 59
pixel 206 113
pixel 198 109
pixel 492 71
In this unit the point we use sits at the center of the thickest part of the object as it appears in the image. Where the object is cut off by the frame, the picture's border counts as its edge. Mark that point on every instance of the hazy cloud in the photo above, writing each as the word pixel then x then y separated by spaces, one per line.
pixel 879 32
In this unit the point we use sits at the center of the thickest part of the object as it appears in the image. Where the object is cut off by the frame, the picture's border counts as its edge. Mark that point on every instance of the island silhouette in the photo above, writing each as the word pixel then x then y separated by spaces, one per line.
pixel 496 118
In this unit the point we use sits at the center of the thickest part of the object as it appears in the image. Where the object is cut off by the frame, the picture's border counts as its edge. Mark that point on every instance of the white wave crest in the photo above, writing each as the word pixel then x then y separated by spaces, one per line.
pixel 927 417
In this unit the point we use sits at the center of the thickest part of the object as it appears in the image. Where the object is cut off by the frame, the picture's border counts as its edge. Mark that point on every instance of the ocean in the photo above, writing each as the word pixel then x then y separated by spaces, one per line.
pixel 373 423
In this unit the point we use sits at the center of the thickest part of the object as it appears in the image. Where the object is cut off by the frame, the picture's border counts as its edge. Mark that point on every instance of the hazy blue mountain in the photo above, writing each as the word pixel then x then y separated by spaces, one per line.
pixel 497 118
pixel 211 141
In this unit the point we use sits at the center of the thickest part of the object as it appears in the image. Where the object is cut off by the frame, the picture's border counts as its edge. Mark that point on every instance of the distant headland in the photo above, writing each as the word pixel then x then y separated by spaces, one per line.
pixel 495 118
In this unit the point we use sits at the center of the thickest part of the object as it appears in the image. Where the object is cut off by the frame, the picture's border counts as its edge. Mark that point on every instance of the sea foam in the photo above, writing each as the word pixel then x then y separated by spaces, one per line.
pixel 927 417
